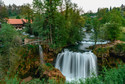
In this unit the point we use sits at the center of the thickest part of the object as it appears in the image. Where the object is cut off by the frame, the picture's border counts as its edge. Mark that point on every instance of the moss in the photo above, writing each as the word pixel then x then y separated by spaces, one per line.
pixel 110 56
pixel 119 48
pixel 25 60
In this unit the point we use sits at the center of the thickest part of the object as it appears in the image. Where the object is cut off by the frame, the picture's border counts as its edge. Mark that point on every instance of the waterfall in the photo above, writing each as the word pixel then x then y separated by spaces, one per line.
pixel 41 54
pixel 75 65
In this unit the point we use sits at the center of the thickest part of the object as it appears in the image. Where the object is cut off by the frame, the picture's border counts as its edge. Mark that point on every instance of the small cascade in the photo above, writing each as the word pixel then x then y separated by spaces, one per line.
pixel 41 54
pixel 75 65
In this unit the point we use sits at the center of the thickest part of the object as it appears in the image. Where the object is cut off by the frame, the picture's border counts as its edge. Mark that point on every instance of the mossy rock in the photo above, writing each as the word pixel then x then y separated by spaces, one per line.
pixel 110 56
pixel 51 73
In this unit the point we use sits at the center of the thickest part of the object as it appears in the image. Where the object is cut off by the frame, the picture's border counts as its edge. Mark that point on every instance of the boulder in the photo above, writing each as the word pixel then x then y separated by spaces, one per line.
pixel 51 73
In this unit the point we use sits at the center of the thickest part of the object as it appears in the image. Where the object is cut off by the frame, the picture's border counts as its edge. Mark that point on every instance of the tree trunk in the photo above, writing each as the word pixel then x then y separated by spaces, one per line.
pixel 51 39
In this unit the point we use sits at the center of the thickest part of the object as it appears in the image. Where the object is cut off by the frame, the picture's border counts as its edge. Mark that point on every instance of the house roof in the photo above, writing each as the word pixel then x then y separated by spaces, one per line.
pixel 26 20
pixel 15 21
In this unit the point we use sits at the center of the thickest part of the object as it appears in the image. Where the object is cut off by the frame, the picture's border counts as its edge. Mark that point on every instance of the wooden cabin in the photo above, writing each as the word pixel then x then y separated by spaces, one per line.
pixel 17 23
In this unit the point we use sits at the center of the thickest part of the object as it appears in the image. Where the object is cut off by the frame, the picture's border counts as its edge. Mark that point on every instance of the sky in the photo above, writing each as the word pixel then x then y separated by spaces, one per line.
pixel 86 5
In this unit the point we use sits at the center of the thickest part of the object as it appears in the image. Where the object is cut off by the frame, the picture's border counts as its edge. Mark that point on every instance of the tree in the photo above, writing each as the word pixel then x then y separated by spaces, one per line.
pixel 59 28
pixel 3 12
pixel 115 16
pixel 112 31
pixel 17 17
pixel 27 12
pixel 49 8
pixel 13 10
pixel 10 39
pixel 103 15
pixel 96 27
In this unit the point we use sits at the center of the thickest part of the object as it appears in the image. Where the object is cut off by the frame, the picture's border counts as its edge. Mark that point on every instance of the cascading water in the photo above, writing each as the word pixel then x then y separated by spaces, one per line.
pixel 76 65
pixel 41 54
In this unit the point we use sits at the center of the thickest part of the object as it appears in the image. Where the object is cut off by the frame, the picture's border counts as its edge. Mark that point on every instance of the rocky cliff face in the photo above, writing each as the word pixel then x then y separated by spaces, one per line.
pixel 49 71
pixel 110 55
pixel 27 63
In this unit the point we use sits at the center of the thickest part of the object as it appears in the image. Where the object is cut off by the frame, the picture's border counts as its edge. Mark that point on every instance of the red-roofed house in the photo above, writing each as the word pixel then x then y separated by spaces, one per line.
pixel 17 23
pixel 26 21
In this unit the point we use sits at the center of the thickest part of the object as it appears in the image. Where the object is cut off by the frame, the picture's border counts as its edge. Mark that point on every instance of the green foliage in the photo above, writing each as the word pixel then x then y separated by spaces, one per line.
pixel 17 17
pixel 27 12
pixel 107 24
pixel 13 10
pixel 112 31
pixel 24 60
pixel 112 76
pixel 58 28
pixel 115 76
pixel 122 38
pixel 21 59
pixel 9 37
pixel 119 48
pixel 12 80
pixel 103 15
pixel 1 68
pixel 36 81
pixel 96 27
pixel 115 16
pixel 43 81
pixel 3 12
pixel 37 26
pixel 102 50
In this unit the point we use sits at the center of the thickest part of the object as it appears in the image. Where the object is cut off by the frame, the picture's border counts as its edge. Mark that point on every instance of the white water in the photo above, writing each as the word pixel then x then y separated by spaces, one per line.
pixel 41 54
pixel 74 65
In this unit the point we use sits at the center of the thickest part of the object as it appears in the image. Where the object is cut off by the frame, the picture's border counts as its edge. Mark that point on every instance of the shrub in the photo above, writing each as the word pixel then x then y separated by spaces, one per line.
pixel 112 76
pixel 112 31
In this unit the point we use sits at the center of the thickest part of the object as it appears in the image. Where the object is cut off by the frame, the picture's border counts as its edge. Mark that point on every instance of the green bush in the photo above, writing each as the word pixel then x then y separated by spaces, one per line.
pixel 112 31
pixel 122 38
pixel 12 80
pixel 10 38
pixel 112 76
pixel 120 48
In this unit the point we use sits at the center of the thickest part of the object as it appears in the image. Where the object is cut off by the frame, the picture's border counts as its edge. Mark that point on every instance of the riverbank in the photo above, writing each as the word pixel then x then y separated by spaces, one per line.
pixel 110 55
